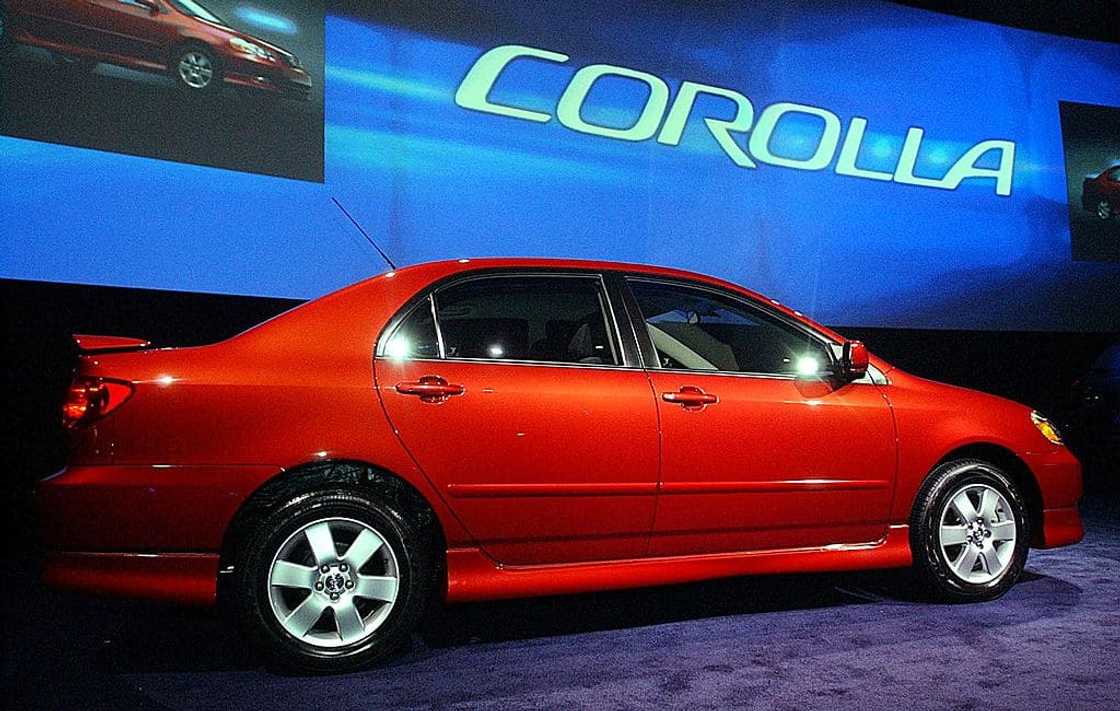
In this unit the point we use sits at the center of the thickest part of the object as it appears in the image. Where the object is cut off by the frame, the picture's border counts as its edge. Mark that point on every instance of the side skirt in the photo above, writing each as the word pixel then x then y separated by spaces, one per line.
pixel 472 576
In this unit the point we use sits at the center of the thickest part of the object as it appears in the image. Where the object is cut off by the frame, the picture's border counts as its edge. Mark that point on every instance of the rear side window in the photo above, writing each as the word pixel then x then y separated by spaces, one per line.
pixel 554 319
pixel 415 337
pixel 697 329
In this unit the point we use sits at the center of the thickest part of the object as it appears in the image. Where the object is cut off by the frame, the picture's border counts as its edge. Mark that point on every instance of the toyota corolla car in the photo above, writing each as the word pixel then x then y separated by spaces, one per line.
pixel 1101 194
pixel 178 37
pixel 482 429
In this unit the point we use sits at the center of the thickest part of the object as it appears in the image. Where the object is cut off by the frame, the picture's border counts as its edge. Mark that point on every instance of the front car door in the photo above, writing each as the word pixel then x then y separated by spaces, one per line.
pixel 760 449
pixel 132 30
pixel 522 405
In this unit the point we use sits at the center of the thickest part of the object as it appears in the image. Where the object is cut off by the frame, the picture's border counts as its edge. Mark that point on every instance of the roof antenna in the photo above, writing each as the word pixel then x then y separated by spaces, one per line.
pixel 364 233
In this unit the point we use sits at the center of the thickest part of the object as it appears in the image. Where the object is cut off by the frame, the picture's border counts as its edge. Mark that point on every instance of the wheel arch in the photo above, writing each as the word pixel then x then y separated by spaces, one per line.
pixel 352 474
pixel 1021 475
pixel 189 41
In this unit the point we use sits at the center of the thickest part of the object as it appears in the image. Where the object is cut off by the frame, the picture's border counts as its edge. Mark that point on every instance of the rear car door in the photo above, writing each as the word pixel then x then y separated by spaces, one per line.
pixel 521 403
pixel 760 450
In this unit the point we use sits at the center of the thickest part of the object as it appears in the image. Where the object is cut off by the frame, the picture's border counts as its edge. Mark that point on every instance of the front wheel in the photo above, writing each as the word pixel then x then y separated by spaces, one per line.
pixel 1104 210
pixel 195 71
pixel 969 532
pixel 332 581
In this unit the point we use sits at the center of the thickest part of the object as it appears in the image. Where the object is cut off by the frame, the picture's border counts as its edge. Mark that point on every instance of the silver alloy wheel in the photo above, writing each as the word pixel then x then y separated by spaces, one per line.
pixel 977 534
pixel 309 576
pixel 1104 210
pixel 195 69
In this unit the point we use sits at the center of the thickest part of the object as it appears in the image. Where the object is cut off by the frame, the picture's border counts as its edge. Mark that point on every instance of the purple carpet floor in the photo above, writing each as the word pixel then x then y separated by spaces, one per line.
pixel 807 642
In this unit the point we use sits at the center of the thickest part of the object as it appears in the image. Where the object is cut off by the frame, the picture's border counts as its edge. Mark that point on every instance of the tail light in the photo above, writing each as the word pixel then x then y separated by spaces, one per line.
pixel 89 399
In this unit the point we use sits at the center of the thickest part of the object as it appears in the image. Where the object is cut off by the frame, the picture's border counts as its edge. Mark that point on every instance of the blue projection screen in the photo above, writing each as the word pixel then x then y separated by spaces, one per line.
pixel 867 163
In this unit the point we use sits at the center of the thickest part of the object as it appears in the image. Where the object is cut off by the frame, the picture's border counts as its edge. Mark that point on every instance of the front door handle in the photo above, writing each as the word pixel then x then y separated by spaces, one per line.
pixel 690 397
pixel 430 388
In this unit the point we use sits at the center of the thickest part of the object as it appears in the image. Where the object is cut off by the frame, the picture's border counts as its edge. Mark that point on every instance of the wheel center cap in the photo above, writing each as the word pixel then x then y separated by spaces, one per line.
pixel 334 582
pixel 978 532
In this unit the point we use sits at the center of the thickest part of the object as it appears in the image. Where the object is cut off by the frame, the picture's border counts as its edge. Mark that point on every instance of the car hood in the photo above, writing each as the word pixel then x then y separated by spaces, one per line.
pixel 233 32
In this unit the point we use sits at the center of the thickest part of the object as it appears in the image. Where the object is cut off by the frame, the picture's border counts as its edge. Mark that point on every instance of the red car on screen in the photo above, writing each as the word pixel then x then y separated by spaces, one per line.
pixel 1101 195
pixel 178 37
pixel 482 429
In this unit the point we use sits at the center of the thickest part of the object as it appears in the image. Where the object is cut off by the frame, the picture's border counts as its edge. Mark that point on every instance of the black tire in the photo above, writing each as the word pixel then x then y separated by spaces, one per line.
pixel 934 568
pixel 188 83
pixel 250 589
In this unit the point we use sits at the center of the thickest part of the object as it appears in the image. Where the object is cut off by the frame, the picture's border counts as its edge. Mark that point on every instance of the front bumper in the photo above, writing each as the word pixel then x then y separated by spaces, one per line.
pixel 1059 482
pixel 272 77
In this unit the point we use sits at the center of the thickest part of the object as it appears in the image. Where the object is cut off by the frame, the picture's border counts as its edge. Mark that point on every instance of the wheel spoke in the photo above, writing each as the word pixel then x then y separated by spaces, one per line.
pixel 989 501
pixel 304 617
pixel 291 575
pixel 952 535
pixel 967 560
pixel 363 547
pixel 322 543
pixel 348 621
pixel 376 587
pixel 992 563
pixel 963 506
pixel 1003 531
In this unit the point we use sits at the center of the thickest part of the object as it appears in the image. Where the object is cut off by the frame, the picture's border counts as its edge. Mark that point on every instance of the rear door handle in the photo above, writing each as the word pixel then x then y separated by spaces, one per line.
pixel 690 397
pixel 430 388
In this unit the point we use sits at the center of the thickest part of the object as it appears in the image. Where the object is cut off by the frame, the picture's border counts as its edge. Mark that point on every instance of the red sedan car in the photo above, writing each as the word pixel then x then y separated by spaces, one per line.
pixel 1101 195
pixel 178 37
pixel 481 429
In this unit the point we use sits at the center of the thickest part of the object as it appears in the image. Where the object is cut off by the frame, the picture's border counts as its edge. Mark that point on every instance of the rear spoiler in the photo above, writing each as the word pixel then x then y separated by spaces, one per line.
pixel 88 343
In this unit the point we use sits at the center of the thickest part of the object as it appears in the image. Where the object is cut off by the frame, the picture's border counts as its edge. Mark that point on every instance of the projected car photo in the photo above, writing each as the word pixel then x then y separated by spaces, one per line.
pixel 181 38
pixel 501 428
pixel 1101 194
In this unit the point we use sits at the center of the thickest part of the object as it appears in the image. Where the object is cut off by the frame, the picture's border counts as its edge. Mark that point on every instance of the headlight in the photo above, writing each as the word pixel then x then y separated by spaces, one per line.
pixel 249 48
pixel 1048 429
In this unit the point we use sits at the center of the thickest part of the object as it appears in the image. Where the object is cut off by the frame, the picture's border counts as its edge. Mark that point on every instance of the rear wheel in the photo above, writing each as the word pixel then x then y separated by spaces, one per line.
pixel 332 581
pixel 969 532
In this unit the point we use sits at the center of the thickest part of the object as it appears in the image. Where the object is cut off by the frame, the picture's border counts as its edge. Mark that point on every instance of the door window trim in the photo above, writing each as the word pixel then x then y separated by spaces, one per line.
pixel 647 347
pixel 431 294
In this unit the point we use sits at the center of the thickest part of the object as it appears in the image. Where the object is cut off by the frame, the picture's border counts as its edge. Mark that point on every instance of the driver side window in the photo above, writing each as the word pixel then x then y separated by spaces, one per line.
pixel 697 329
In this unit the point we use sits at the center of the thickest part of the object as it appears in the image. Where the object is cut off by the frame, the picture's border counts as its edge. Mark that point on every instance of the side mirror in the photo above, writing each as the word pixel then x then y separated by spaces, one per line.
pixel 151 5
pixel 854 360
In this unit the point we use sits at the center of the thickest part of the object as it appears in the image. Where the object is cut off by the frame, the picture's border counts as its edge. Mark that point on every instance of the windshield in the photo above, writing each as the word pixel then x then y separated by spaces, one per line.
pixel 193 9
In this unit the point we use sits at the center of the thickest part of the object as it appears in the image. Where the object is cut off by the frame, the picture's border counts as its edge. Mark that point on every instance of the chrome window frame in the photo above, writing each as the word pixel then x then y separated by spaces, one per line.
pixel 431 295
pixel 827 344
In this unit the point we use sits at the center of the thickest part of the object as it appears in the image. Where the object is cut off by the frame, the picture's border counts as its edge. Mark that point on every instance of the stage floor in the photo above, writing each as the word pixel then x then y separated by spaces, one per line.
pixel 805 642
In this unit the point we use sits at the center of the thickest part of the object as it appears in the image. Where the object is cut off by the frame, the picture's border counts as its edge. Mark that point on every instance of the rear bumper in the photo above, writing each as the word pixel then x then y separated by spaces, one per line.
pixel 151 532
pixel 144 508
pixel 180 578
